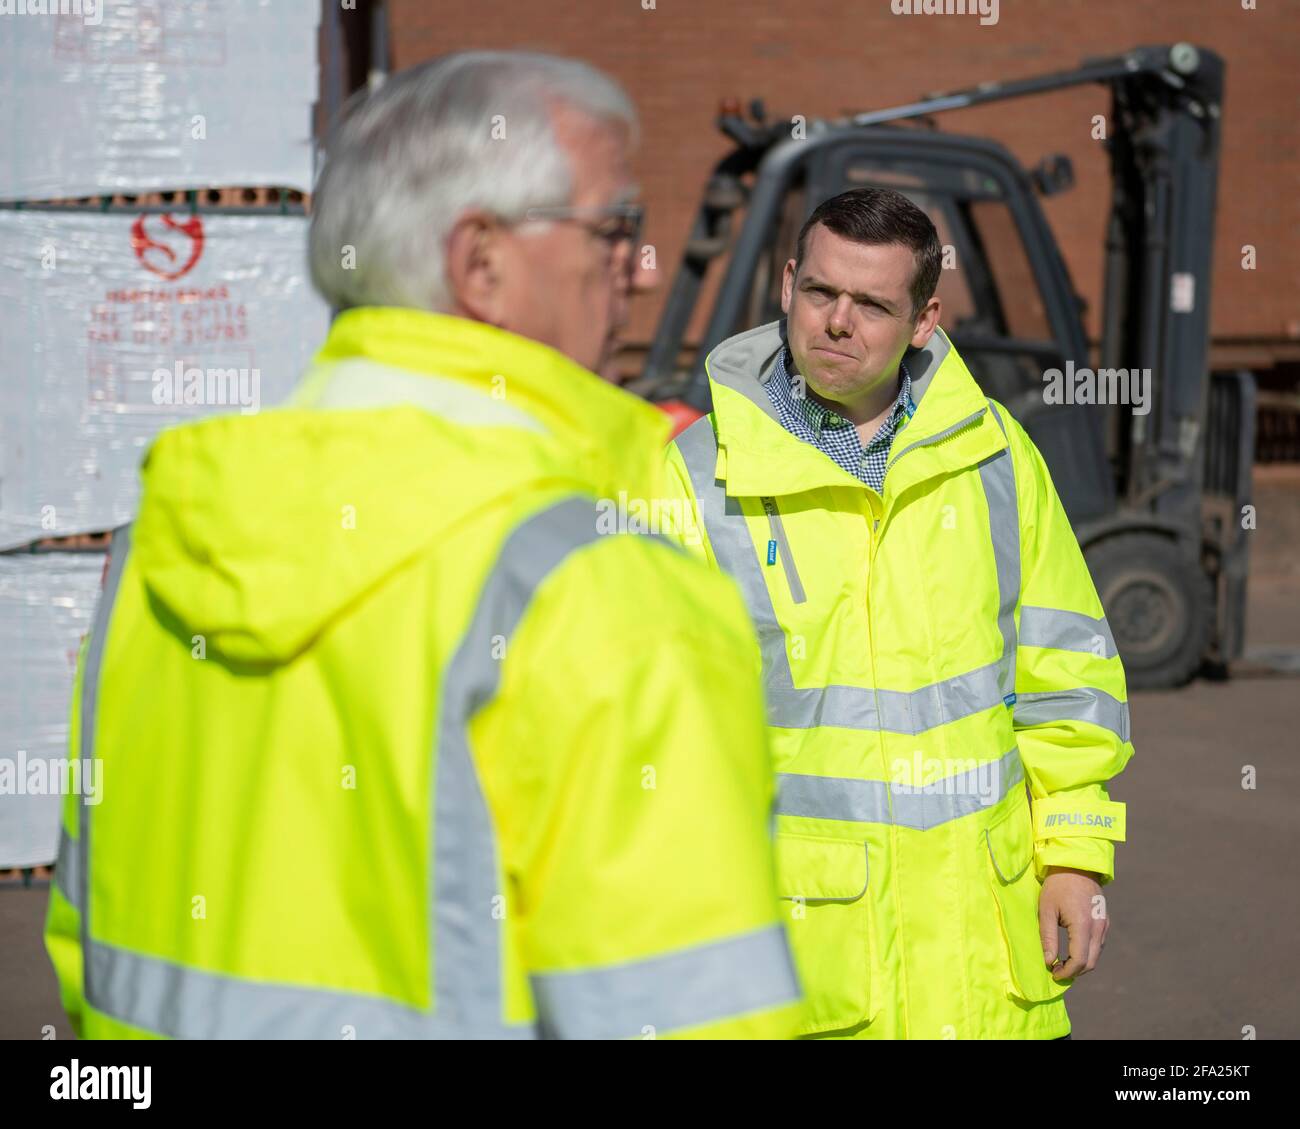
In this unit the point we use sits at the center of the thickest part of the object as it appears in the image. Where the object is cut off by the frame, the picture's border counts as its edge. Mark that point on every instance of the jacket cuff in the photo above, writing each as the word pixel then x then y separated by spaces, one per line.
pixel 1094 855
pixel 1078 832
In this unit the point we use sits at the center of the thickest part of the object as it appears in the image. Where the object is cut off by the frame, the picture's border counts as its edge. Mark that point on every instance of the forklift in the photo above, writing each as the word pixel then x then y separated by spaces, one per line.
pixel 1158 498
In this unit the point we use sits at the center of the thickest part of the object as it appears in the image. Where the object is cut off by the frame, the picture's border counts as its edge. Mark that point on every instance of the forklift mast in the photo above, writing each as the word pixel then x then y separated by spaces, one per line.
pixel 1165 163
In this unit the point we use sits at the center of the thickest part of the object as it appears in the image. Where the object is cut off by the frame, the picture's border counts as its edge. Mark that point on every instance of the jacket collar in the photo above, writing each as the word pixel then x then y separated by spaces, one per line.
pixel 615 438
pixel 951 428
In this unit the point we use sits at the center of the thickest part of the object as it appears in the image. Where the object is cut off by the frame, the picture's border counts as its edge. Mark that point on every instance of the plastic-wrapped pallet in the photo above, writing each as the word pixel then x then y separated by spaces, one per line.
pixel 114 326
pixel 47 603
pixel 107 96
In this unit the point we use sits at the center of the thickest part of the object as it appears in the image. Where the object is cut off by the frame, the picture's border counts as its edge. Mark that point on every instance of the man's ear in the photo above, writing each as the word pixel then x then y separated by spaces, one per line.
pixel 787 285
pixel 925 323
pixel 474 268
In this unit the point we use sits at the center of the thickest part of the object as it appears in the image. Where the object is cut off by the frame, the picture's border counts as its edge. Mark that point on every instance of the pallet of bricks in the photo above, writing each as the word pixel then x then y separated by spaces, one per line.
pixel 128 282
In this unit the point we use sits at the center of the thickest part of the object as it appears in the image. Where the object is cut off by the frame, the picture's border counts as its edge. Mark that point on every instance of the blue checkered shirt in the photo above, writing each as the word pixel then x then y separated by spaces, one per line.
pixel 832 434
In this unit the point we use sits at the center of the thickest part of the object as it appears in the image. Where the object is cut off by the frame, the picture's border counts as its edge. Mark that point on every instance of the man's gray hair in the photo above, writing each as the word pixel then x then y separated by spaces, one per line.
pixel 471 130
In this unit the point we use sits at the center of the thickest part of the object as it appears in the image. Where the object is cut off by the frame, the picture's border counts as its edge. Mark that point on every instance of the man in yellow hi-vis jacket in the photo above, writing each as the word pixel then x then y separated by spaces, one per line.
pixel 395 742
pixel 932 644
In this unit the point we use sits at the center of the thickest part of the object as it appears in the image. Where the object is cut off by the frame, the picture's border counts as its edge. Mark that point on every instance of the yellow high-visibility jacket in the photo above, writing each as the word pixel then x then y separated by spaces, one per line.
pixel 396 743
pixel 927 654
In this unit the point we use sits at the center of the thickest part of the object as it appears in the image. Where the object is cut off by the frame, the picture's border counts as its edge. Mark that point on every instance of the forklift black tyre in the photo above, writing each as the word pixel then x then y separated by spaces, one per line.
pixel 1158 604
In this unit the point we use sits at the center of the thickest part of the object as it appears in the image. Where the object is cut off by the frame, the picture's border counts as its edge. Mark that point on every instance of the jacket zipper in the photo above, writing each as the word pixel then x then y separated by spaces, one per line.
pixel 781 543
pixel 935 438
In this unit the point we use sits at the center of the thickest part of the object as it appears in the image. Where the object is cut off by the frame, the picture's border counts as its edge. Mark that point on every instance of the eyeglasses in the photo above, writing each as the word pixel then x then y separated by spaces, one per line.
pixel 616 224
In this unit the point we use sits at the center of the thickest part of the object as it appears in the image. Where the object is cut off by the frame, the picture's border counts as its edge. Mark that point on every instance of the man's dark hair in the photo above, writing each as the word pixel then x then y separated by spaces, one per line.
pixel 877 216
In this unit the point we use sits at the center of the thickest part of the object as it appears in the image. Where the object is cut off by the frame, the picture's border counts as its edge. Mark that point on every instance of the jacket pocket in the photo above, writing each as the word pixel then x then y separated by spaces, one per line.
pixel 1016 891
pixel 829 924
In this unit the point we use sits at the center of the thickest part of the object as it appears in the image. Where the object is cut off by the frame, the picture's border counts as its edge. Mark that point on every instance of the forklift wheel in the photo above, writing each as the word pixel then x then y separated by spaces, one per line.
pixel 1158 604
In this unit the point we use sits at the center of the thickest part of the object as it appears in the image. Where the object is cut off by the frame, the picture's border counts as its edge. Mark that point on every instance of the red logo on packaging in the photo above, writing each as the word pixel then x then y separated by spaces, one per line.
pixel 168 247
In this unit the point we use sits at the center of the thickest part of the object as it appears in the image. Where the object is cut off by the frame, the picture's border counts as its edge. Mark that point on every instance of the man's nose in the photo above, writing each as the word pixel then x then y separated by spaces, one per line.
pixel 840 321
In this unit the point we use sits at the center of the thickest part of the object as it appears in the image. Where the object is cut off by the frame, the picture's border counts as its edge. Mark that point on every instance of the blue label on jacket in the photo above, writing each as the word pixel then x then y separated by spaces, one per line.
pixel 1009 700
pixel 771 552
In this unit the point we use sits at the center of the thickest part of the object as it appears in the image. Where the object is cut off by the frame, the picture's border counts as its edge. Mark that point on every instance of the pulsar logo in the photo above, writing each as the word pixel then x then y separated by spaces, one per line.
pixel 167 246
pixel 1087 819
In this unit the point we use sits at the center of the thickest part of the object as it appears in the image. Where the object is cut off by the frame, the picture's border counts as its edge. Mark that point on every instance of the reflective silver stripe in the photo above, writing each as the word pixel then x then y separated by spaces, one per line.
pixel 832 797
pixel 893 711
pixel 998 476
pixel 466 951
pixel 467 958
pixel 67 868
pixel 674 992
pixel 1085 703
pixel 118 549
pixel 190 1003
pixel 777 527
pixel 734 551
pixel 1066 631
pixel 881 801
pixel 854 707
pixel 359 382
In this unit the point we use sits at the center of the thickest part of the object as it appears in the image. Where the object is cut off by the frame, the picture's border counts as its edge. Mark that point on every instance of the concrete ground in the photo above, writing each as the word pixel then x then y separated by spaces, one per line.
pixel 1201 907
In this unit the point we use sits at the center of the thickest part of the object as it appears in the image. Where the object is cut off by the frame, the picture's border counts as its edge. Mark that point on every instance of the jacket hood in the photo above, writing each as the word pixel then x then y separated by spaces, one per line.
pixel 256 531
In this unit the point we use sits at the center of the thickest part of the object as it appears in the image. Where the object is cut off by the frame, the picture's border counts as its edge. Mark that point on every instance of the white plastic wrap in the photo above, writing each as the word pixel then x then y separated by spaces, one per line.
pixel 95 308
pixel 143 95
pixel 47 602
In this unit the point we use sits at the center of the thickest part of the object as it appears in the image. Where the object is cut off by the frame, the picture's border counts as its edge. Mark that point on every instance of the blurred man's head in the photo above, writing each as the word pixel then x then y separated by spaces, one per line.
pixel 431 181
pixel 859 291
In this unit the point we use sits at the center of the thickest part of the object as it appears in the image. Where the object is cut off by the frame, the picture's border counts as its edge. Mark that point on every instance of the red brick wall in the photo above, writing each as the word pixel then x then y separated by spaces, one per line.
pixel 821 57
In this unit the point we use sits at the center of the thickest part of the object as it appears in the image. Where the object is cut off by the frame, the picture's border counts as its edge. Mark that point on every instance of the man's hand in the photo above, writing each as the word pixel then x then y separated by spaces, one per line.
pixel 1072 898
